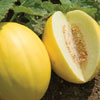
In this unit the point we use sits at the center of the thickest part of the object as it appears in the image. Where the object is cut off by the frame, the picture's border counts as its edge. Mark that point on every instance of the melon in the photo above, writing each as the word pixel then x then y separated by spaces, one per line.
pixel 25 68
pixel 73 43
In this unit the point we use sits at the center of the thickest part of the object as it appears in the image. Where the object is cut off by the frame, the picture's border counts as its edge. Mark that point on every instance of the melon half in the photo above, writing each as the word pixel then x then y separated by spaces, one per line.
pixel 73 44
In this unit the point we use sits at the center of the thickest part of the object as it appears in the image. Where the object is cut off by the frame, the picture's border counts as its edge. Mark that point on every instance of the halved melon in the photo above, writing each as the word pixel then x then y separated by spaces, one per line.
pixel 73 44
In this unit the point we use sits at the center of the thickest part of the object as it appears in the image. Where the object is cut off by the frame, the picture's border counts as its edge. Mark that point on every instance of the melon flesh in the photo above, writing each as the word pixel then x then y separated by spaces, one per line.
pixel 65 57
pixel 92 40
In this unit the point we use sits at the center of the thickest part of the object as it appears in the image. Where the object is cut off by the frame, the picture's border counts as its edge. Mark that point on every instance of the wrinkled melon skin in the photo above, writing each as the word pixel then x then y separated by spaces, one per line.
pixel 25 68
pixel 59 64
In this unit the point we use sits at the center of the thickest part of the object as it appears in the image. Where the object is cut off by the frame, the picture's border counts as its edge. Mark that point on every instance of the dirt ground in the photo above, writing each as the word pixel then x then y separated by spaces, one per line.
pixel 62 90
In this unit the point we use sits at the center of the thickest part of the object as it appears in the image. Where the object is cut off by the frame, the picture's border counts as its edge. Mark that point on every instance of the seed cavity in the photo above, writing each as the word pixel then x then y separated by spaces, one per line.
pixel 75 43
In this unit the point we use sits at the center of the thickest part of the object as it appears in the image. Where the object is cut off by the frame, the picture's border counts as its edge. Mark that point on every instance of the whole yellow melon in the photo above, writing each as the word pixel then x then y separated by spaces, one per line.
pixel 25 68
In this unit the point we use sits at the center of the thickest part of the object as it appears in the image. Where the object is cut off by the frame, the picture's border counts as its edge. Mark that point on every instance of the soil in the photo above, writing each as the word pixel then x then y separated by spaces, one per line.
pixel 63 90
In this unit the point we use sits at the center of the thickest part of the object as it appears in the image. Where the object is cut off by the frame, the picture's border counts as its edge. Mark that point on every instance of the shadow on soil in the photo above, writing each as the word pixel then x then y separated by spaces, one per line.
pixel 62 90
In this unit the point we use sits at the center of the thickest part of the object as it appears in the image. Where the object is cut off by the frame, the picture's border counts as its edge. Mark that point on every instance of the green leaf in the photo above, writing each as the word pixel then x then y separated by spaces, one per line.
pixel 21 1
pixel 27 10
pixel 99 1
pixel 29 3
pixel 5 5
pixel 64 8
pixel 48 6
pixel 36 12
pixel 32 7
pixel 39 11
pixel 65 1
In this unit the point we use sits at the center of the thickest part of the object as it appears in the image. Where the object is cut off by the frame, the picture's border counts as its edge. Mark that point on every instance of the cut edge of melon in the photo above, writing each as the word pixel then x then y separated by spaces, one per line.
pixel 80 18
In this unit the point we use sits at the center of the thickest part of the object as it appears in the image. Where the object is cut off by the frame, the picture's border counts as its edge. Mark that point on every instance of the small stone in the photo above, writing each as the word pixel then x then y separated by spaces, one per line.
pixel 52 96
pixel 61 81
pixel 60 93
pixel 75 93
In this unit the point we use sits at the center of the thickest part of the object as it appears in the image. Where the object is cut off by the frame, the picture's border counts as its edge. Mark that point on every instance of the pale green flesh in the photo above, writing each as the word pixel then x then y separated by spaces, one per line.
pixel 90 35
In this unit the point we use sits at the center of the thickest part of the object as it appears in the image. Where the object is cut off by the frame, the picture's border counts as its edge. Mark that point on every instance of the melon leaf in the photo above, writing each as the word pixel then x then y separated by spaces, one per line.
pixel 5 5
